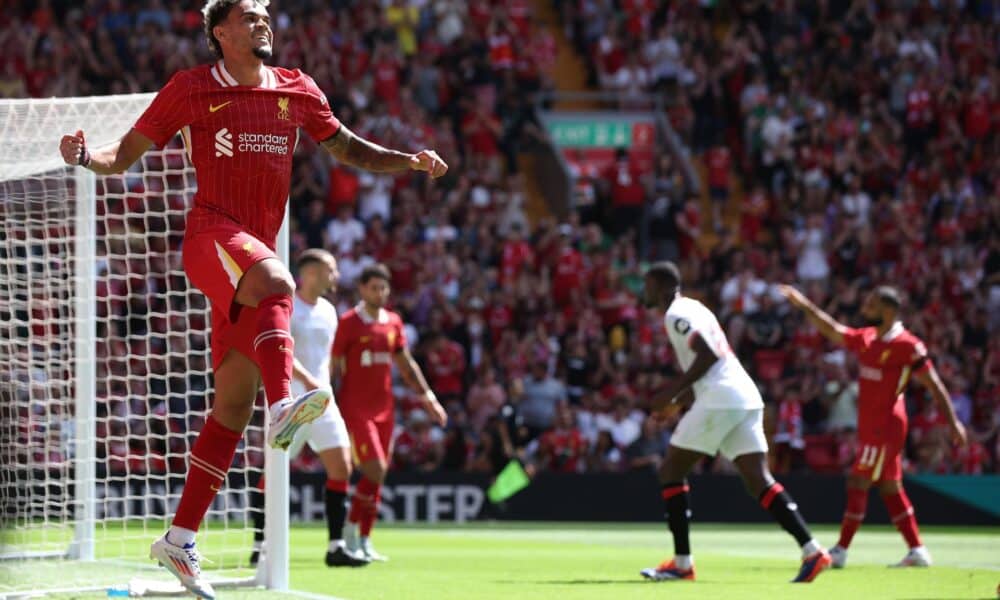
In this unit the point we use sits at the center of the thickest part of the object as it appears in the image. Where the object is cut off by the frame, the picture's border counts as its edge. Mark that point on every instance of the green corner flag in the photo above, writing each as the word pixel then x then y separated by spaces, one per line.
pixel 511 480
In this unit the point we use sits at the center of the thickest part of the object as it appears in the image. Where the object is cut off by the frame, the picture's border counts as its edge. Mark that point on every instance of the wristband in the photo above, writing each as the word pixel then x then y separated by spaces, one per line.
pixel 84 160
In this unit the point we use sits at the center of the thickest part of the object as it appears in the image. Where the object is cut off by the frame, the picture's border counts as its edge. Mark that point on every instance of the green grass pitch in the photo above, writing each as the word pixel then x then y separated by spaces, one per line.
pixel 515 561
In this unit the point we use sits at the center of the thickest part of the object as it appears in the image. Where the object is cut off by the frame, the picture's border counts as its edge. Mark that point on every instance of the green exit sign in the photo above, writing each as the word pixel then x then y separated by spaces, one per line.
pixel 601 133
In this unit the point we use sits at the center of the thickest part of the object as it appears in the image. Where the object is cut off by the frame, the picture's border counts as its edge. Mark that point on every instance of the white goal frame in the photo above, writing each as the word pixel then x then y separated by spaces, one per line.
pixel 23 160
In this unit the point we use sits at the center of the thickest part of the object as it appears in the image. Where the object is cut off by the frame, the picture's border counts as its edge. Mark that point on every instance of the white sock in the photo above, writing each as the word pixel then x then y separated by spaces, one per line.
pixel 683 561
pixel 334 544
pixel 257 545
pixel 280 404
pixel 920 549
pixel 811 547
pixel 179 536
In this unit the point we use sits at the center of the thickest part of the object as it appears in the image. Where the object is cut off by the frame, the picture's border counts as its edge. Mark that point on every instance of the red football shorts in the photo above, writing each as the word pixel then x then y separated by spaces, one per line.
pixel 371 439
pixel 215 259
pixel 880 458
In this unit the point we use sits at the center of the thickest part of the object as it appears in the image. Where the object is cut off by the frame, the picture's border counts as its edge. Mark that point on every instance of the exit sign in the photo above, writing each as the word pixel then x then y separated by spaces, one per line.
pixel 575 133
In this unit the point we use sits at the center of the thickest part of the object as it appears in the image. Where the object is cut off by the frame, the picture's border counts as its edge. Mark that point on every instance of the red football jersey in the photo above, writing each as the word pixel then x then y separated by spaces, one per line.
pixel 885 364
pixel 367 346
pixel 240 140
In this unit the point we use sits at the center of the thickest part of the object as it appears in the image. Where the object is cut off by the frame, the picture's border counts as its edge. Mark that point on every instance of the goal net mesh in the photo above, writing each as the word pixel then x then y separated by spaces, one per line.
pixel 148 363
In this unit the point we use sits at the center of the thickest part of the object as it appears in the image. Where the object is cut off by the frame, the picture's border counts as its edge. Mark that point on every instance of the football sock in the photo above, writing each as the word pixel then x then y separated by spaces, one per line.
pixel 371 513
pixel 784 510
pixel 210 460
pixel 363 504
pixel 336 512
pixel 683 561
pixel 854 514
pixel 180 536
pixel 901 514
pixel 257 510
pixel 273 346
pixel 675 501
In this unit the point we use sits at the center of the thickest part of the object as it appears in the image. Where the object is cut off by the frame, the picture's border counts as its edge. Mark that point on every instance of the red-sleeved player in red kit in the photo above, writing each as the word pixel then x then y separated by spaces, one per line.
pixel 888 356
pixel 240 121
pixel 369 341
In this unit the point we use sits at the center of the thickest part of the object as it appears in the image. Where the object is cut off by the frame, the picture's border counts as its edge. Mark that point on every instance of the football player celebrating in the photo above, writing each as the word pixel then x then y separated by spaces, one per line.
pixel 888 356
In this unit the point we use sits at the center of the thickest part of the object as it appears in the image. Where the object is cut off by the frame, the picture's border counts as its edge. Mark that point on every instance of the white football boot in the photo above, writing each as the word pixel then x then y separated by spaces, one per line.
pixel 288 416
pixel 184 563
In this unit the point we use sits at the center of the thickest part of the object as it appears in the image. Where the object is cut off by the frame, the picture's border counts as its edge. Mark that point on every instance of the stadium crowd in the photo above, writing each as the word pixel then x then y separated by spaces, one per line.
pixel 844 144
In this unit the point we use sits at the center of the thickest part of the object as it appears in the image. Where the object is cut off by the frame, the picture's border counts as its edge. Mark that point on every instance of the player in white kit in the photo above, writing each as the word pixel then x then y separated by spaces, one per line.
pixel 726 416
pixel 313 327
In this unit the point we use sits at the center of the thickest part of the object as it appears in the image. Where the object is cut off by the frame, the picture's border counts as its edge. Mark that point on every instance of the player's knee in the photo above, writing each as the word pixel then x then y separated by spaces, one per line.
pixel 265 279
pixel 233 416
pixel 889 488
pixel 755 485
pixel 278 284
pixel 378 471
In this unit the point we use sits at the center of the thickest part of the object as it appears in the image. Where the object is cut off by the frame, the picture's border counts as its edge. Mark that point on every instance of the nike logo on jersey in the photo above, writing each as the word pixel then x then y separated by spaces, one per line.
pixel 213 109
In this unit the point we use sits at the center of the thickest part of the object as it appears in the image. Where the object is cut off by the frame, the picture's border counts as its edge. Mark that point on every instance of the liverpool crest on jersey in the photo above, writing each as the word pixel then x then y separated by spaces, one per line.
pixel 283 108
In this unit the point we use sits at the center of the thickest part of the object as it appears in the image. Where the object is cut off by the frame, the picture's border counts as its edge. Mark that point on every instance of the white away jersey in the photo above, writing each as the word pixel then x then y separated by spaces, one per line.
pixel 726 384
pixel 313 328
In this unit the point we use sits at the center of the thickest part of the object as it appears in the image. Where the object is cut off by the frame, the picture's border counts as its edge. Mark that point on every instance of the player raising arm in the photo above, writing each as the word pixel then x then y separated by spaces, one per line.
pixel 888 355
pixel 369 341
pixel 726 417
pixel 239 119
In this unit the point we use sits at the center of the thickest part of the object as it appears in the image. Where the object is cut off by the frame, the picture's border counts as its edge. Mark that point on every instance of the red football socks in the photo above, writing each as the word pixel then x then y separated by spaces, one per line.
pixel 364 505
pixel 274 347
pixel 901 515
pixel 854 514
pixel 210 460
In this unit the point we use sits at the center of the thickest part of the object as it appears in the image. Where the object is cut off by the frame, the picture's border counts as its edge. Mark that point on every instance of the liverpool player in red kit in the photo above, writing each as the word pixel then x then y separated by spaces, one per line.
pixel 369 340
pixel 239 120
pixel 888 355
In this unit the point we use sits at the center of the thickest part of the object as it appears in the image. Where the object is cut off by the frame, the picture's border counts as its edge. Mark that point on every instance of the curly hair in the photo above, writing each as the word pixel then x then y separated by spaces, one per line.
pixel 215 12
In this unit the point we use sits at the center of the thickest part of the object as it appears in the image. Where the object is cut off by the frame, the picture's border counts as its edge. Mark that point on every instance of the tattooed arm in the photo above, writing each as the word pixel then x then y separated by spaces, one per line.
pixel 356 151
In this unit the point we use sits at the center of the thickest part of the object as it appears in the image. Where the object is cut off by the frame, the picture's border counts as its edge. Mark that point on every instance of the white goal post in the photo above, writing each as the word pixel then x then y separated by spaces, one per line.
pixel 105 373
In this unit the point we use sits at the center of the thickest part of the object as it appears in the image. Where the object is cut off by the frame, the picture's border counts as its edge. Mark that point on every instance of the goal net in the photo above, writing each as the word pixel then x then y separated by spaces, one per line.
pixel 104 360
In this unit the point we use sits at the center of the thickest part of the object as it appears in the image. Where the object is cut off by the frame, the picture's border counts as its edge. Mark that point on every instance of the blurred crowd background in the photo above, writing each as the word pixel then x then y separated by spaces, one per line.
pixel 840 144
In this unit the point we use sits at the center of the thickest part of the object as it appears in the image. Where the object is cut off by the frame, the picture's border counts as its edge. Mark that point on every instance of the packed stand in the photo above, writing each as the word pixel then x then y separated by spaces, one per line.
pixel 534 335
pixel 864 137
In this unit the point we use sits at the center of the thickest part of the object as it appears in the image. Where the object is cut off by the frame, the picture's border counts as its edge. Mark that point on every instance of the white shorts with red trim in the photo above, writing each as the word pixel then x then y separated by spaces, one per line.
pixel 732 432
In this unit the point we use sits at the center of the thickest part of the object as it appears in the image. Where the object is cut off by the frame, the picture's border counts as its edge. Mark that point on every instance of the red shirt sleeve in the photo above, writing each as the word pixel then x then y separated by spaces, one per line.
pixel 319 123
pixel 857 340
pixel 341 340
pixel 169 111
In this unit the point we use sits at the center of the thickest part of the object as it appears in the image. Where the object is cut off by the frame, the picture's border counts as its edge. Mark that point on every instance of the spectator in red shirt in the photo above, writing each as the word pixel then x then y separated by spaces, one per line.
pixel 385 71
pixel 562 449
pixel 515 256
pixel 446 367
pixel 568 268
pixel 625 192
pixel 420 446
